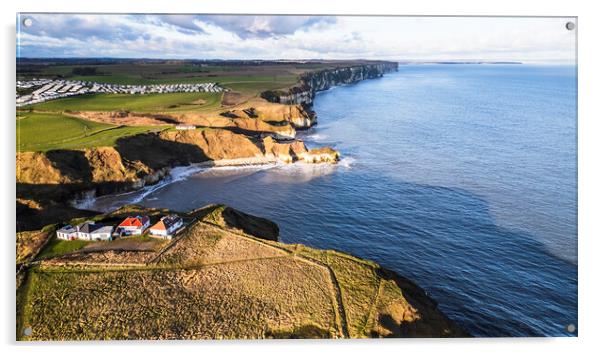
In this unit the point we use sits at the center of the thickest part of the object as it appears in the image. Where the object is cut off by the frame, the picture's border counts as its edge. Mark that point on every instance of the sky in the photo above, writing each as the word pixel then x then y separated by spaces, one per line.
pixel 531 39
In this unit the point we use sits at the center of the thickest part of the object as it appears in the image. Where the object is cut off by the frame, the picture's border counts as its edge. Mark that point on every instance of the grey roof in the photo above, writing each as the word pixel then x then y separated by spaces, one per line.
pixel 103 229
pixel 170 220
pixel 67 228
pixel 89 227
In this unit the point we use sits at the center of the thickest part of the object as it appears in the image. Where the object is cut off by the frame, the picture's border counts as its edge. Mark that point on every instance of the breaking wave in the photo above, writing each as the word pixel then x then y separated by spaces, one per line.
pixel 347 162
pixel 315 137
pixel 177 174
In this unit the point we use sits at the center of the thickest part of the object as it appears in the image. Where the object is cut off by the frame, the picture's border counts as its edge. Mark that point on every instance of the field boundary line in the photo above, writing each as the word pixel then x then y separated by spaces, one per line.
pixel 79 267
pixel 373 306
pixel 342 314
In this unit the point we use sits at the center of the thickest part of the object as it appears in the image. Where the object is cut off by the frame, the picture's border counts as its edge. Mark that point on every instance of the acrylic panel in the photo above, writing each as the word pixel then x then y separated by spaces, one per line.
pixel 252 177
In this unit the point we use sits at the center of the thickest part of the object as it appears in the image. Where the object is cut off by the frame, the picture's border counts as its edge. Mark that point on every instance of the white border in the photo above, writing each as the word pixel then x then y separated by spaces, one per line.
pixel 589 168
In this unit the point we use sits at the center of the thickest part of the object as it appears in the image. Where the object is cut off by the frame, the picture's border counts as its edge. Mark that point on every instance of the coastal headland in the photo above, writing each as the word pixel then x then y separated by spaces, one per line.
pixel 224 275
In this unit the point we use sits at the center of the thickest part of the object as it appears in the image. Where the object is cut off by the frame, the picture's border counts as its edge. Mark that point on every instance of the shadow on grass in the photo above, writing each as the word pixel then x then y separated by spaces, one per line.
pixel 307 331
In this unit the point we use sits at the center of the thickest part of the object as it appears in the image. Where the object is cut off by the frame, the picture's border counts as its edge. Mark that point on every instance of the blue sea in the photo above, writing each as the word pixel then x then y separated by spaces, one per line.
pixel 460 177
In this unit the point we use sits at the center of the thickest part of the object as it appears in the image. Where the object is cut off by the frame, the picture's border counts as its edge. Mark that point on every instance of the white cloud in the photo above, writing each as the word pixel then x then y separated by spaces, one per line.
pixel 251 26
pixel 297 37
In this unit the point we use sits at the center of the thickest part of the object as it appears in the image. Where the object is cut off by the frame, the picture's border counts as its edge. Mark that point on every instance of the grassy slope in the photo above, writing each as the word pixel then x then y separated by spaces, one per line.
pixel 58 247
pixel 190 101
pixel 46 131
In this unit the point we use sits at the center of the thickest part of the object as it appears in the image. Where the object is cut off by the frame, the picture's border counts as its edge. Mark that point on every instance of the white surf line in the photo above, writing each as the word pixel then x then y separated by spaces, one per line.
pixel 176 174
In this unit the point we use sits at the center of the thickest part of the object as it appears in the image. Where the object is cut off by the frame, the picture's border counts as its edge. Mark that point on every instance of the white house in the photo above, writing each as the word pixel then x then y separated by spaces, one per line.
pixel 67 232
pixel 102 234
pixel 91 231
pixel 167 226
pixel 134 225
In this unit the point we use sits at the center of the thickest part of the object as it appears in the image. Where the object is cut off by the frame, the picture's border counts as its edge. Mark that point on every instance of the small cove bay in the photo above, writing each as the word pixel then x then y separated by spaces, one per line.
pixel 459 177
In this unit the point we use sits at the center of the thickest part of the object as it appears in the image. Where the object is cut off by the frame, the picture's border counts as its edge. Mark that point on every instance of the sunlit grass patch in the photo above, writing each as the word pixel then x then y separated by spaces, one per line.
pixel 152 102
pixel 52 131
pixel 57 247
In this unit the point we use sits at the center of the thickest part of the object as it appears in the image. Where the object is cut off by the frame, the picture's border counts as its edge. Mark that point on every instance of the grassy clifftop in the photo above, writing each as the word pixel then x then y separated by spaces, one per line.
pixel 215 280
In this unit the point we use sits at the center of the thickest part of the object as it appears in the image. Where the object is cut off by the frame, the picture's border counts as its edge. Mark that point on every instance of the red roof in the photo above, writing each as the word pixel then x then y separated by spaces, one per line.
pixel 137 221
pixel 159 226
pixel 166 222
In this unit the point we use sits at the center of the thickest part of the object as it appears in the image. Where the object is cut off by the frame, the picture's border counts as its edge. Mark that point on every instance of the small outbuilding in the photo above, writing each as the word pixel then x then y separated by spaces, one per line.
pixel 185 127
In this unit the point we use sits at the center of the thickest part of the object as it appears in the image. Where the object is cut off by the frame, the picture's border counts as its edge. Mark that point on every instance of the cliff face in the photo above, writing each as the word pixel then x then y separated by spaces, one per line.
pixel 240 120
pixel 59 176
pixel 289 116
pixel 313 82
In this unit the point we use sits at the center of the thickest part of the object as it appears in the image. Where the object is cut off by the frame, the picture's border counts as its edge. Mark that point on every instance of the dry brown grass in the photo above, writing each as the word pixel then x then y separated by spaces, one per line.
pixel 204 244
pixel 235 300
pixel 391 312
pixel 119 118
pixel 232 98
pixel 265 111
pixel 29 243
pixel 359 286
pixel 375 305
pixel 104 257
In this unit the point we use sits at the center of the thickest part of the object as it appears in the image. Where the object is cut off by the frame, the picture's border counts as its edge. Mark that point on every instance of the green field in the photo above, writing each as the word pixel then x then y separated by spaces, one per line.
pixel 58 247
pixel 43 132
pixel 220 79
pixel 249 85
pixel 170 73
pixel 197 101
pixel 125 73
pixel 243 83
pixel 247 80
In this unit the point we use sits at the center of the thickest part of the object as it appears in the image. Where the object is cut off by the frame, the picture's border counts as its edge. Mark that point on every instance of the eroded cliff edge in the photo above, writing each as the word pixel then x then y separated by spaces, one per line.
pixel 48 181
pixel 314 81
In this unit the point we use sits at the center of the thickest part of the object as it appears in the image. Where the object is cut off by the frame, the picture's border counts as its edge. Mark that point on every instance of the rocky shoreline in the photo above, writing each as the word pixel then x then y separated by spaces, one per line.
pixel 259 134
